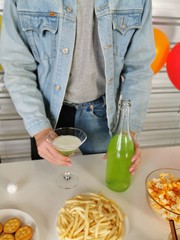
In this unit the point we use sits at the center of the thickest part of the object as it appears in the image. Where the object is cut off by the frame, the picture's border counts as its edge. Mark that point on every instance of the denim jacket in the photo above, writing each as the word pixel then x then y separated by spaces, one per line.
pixel 37 44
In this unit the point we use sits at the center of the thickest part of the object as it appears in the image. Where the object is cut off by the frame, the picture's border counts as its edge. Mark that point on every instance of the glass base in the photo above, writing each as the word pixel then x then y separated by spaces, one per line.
pixel 67 180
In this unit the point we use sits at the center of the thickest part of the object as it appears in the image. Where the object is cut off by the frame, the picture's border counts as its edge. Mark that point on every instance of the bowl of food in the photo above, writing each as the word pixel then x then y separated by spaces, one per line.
pixel 163 193
pixel 91 216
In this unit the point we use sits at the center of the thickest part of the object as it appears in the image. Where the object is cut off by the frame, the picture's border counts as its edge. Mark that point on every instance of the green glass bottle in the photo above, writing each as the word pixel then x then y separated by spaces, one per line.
pixel 119 153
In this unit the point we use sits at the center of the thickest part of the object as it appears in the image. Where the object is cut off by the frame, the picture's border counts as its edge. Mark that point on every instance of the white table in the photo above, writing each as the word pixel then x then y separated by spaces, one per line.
pixel 39 196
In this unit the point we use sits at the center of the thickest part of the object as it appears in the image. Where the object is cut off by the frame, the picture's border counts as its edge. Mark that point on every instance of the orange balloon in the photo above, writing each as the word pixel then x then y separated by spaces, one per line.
pixel 162 50
pixel 0 21
pixel 1 69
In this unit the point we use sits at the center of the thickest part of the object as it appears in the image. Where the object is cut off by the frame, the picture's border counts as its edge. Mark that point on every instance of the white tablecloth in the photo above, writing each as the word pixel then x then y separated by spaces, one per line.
pixel 39 196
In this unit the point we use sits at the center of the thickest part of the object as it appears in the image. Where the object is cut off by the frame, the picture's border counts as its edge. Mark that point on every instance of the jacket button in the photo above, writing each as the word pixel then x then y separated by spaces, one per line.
pixel 65 50
pixel 57 87
pixel 69 9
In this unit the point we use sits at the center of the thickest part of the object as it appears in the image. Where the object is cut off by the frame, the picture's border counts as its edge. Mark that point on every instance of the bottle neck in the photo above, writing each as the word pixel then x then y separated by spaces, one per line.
pixel 124 119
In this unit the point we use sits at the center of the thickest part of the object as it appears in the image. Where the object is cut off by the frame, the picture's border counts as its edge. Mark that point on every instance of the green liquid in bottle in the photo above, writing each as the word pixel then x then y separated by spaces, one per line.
pixel 119 153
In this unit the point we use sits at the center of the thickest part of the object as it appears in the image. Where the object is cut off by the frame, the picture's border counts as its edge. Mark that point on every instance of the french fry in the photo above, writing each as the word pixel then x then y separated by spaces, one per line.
pixel 90 217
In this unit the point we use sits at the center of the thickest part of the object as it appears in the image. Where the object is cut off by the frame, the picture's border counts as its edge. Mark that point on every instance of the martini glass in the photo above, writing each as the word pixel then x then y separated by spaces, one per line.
pixel 67 140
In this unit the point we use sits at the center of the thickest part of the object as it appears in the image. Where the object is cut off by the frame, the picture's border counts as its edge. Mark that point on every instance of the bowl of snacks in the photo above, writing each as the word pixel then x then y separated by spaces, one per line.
pixel 163 193
pixel 91 216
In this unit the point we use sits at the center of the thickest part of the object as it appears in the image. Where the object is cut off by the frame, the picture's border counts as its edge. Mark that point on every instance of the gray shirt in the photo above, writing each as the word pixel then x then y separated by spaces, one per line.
pixel 87 80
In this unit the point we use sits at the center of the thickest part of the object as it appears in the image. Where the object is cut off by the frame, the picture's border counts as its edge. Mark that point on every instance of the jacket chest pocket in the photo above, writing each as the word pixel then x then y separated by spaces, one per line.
pixel 40 31
pixel 124 26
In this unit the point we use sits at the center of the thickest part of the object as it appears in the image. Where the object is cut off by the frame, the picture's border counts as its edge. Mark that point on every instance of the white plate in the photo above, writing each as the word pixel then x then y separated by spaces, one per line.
pixel 25 218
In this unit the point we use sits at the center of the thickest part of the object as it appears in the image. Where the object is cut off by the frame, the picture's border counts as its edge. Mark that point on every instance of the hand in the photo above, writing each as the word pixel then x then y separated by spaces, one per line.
pixel 135 159
pixel 47 151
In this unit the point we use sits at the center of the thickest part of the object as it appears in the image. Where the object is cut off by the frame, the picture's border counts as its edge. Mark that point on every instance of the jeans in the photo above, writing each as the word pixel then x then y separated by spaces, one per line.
pixel 91 118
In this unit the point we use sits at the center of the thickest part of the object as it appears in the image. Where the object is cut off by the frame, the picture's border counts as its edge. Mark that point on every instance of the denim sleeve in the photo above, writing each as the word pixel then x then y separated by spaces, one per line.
pixel 20 72
pixel 137 73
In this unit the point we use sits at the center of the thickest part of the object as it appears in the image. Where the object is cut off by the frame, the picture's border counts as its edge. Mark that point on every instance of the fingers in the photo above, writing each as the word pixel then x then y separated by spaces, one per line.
pixel 48 152
pixel 136 159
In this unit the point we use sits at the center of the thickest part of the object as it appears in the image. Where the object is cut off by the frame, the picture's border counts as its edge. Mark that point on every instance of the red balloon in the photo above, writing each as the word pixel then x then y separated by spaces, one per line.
pixel 173 65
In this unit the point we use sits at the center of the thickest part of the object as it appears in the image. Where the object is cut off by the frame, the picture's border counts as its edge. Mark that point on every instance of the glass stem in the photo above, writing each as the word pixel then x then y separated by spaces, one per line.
pixel 67 175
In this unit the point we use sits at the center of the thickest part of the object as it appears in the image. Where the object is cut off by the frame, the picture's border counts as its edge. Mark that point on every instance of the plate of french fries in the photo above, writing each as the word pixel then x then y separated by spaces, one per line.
pixel 91 216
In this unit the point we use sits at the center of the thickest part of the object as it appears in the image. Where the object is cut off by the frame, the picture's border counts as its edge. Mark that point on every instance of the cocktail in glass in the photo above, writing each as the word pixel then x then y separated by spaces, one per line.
pixel 67 140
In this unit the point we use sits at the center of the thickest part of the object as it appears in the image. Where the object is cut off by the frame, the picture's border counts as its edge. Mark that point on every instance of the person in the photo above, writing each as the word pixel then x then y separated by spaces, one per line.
pixel 69 63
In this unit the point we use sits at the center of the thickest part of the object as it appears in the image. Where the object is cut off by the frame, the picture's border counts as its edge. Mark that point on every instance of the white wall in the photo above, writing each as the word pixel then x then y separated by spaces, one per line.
pixel 162 126
pixel 1 4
